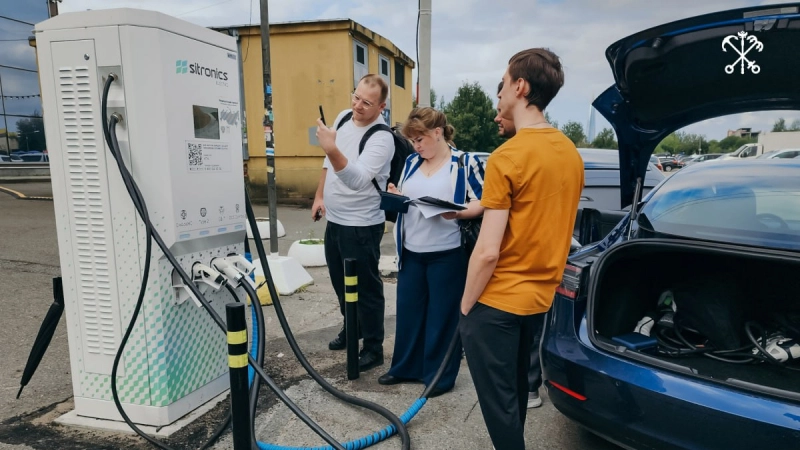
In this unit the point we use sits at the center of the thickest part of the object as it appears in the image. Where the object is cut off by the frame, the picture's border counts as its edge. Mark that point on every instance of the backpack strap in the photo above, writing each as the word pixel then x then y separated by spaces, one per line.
pixel 344 120
pixel 372 130
pixel 367 135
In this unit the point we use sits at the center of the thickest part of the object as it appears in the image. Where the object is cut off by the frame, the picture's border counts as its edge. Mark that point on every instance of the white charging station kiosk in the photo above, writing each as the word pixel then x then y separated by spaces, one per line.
pixel 178 94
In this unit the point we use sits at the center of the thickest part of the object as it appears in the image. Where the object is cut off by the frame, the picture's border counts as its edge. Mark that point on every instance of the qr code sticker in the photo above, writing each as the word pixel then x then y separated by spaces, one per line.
pixel 195 154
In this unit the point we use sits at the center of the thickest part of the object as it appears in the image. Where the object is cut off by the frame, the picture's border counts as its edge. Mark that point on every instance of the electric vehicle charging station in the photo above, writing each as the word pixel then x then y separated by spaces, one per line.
pixel 177 93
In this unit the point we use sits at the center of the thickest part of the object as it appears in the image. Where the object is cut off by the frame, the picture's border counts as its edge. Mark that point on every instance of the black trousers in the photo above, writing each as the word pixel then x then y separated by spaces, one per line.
pixel 535 370
pixel 364 245
pixel 497 345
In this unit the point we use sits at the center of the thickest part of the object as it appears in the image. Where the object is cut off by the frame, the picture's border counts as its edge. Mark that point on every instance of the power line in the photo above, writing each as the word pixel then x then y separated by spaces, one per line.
pixel 204 7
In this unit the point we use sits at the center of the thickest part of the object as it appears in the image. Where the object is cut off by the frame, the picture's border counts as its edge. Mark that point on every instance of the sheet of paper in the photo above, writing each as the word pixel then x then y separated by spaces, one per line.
pixel 429 211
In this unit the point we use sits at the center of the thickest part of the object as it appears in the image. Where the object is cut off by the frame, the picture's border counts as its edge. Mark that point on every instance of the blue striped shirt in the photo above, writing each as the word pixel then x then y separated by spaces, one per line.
pixel 467 185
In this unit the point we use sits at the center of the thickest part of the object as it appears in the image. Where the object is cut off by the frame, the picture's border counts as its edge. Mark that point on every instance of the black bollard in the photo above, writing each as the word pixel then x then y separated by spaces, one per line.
pixel 351 316
pixel 237 364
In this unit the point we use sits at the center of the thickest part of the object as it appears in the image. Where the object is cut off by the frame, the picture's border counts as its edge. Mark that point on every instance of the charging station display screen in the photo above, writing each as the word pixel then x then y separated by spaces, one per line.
pixel 206 122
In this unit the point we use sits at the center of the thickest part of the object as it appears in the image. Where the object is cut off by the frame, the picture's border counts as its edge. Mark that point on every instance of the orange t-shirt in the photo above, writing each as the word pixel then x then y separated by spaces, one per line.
pixel 538 176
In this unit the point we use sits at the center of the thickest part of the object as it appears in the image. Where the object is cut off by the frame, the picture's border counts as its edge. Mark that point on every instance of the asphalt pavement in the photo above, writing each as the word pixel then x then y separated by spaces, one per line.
pixel 29 260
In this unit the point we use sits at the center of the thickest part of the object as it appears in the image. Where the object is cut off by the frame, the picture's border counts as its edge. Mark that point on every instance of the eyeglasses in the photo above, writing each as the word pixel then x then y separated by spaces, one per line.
pixel 367 104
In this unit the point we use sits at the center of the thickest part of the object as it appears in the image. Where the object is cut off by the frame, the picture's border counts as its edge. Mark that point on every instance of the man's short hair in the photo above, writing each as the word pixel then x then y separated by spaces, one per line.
pixel 372 79
pixel 542 69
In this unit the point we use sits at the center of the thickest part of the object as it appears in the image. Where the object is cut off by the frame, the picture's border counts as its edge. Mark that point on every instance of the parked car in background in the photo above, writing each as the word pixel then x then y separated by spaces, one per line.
pixel 708 357
pixel 670 163
pixel 767 142
pixel 29 156
pixel 701 158
pixel 788 153
pixel 656 162
pixel 601 190
pixel 745 151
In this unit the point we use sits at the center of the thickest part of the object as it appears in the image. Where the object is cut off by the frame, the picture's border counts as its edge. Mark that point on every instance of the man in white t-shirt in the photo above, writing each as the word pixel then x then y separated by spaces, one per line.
pixel 347 196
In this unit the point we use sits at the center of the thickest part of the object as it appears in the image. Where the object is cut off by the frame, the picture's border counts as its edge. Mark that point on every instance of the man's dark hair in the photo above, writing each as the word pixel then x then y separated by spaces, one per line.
pixel 542 69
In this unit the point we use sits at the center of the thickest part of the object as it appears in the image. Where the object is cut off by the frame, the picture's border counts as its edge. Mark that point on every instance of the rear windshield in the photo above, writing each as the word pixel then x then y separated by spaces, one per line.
pixel 749 204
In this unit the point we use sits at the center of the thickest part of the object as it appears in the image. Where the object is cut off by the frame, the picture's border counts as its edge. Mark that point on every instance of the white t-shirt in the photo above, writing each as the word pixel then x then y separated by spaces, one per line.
pixel 350 197
pixel 434 234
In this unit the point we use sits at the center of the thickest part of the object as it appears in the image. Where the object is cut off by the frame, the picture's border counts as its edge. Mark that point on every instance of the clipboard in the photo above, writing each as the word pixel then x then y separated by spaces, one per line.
pixel 440 203
pixel 394 203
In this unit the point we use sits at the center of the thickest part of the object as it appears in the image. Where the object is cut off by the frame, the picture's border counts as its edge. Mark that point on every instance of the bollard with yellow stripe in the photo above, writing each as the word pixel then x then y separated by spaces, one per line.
pixel 237 366
pixel 351 316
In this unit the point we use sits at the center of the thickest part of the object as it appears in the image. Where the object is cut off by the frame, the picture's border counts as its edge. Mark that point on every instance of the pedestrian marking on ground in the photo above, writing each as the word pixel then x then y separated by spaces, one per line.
pixel 20 196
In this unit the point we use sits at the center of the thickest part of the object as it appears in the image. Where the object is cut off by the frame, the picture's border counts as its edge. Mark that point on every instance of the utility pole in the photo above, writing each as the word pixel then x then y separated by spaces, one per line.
pixel 272 194
pixel 424 67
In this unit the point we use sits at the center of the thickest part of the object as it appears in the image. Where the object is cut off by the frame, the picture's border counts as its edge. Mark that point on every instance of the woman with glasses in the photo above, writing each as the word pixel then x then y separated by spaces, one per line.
pixel 432 263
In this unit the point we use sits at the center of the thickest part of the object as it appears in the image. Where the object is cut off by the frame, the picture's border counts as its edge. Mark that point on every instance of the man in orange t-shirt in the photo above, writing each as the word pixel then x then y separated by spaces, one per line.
pixel 531 191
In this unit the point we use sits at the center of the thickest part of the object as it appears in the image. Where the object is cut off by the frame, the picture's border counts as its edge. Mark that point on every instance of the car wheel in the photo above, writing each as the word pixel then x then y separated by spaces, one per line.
pixel 667 168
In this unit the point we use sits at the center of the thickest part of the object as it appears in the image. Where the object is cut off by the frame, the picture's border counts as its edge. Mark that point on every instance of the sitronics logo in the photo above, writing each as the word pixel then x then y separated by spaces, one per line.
pixel 183 66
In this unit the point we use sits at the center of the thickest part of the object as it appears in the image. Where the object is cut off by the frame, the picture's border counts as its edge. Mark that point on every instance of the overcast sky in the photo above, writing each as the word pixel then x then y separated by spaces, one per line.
pixel 472 40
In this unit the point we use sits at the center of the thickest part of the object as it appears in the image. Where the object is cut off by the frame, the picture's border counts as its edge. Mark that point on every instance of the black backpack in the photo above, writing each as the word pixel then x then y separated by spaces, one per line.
pixel 402 149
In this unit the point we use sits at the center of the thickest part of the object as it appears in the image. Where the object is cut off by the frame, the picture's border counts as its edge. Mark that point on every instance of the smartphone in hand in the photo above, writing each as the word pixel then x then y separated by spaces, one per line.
pixel 318 215
pixel 322 115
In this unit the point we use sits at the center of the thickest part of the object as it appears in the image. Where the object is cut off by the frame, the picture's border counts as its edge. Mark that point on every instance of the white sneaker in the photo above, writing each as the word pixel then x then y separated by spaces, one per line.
pixel 533 400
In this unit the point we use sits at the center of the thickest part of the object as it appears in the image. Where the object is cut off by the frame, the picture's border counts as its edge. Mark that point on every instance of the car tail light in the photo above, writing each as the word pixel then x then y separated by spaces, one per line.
pixel 567 391
pixel 570 282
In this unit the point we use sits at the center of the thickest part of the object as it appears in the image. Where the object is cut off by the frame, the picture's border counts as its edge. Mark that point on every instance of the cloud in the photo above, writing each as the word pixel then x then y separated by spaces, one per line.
pixel 472 40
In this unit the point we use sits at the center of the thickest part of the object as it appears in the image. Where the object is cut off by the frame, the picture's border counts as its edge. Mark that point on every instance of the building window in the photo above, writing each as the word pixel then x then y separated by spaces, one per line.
pixel 361 56
pixel 21 127
pixel 383 69
pixel 384 66
pixel 360 62
pixel 399 74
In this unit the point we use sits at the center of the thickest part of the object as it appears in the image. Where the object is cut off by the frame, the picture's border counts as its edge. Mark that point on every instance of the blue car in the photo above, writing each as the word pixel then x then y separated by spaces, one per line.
pixel 680 328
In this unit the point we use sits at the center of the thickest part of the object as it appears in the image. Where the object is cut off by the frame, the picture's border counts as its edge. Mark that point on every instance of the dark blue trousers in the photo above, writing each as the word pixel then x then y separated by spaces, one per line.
pixel 429 289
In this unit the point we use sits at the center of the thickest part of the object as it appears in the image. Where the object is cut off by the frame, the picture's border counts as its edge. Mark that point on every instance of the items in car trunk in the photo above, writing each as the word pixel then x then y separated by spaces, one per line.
pixel 727 316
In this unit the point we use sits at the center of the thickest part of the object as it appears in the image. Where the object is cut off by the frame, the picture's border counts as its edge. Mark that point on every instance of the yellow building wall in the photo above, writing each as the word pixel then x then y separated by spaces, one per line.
pixel 309 69
pixel 312 65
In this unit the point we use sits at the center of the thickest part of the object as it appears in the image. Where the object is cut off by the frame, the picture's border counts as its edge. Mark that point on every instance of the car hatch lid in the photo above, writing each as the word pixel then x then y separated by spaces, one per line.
pixel 683 72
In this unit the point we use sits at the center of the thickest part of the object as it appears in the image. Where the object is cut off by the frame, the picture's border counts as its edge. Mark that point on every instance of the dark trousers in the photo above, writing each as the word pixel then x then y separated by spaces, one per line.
pixel 535 370
pixel 364 245
pixel 429 289
pixel 497 345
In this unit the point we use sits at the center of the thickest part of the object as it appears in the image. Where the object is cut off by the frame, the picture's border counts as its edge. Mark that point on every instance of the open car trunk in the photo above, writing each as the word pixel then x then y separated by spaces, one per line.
pixel 698 301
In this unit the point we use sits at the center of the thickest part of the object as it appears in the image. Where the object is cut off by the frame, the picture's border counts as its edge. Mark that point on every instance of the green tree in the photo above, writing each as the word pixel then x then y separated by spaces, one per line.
pixel 472 115
pixel 714 147
pixel 605 139
pixel 574 131
pixel 780 125
pixel 731 143
pixel 669 145
pixel 681 142
pixel 549 120
pixel 795 125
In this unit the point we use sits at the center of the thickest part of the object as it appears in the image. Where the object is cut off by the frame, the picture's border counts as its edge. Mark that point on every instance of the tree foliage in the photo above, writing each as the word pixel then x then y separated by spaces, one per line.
pixel 605 139
pixel 574 131
pixel 472 114
pixel 780 125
